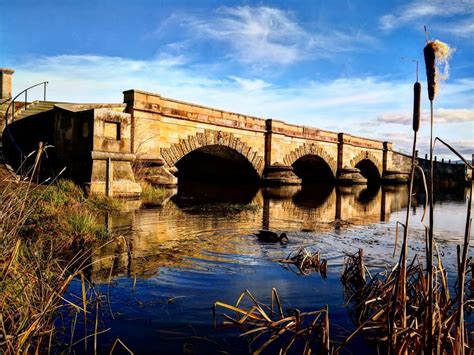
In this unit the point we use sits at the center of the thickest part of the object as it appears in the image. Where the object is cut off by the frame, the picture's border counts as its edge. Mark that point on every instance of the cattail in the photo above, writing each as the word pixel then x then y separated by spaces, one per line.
pixel 430 70
pixel 416 106
pixel 436 53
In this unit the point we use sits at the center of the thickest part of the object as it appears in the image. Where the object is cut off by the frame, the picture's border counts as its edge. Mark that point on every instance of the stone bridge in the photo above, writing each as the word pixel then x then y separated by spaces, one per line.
pixel 167 140
pixel 175 138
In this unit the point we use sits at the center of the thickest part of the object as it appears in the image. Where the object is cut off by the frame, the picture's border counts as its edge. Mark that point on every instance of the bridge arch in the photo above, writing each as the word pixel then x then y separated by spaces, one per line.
pixel 311 162
pixel 368 164
pixel 222 145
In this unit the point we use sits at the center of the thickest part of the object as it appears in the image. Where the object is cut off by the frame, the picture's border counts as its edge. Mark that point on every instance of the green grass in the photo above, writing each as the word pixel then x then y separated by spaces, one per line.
pixel 153 195
pixel 99 203
pixel 63 212
pixel 84 223
pixel 222 208
pixel 39 228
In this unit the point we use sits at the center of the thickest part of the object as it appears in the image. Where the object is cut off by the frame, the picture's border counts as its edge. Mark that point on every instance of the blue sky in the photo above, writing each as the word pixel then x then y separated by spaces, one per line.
pixel 345 66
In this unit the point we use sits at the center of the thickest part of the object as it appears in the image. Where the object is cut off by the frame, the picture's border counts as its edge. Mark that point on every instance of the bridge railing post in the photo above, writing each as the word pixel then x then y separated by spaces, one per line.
pixel 108 177
pixel 340 152
pixel 268 142
pixel 385 157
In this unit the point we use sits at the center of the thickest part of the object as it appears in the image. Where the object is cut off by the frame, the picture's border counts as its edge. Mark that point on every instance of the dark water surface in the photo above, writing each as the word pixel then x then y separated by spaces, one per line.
pixel 176 260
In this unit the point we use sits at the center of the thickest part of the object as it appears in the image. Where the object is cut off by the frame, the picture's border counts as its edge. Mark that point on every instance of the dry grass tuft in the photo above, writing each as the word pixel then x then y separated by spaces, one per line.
pixel 306 261
pixel 378 311
pixel 267 325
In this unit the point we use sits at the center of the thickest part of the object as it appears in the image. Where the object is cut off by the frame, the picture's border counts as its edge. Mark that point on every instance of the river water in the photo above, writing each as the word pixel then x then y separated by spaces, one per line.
pixel 160 281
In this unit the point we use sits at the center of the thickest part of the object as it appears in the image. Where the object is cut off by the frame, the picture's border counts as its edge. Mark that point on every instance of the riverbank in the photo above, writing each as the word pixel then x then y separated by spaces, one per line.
pixel 45 234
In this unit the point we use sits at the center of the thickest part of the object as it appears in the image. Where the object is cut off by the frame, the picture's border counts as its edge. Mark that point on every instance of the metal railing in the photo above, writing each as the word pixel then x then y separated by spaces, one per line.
pixel 12 107
pixel 12 103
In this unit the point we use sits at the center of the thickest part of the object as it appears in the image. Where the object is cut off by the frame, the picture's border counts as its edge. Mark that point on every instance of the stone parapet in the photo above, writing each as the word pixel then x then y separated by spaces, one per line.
pixel 291 130
pixel 154 103
pixel 360 141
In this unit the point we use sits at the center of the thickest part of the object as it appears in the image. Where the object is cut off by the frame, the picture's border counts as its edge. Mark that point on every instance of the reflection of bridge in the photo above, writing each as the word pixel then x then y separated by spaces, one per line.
pixel 354 204
pixel 174 139
pixel 169 235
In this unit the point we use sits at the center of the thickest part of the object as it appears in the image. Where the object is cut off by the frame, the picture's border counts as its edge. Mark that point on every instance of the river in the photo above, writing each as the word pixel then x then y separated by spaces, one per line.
pixel 159 282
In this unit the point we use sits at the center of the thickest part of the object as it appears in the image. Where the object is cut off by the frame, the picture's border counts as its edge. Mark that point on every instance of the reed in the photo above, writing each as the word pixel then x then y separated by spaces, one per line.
pixel 371 306
pixel 40 226
pixel 153 195
pixel 306 261
pixel 269 324
pixel 437 55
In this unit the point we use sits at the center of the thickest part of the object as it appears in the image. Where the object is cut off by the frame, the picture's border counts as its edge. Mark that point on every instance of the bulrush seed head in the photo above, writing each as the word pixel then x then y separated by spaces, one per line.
pixel 436 55
pixel 416 106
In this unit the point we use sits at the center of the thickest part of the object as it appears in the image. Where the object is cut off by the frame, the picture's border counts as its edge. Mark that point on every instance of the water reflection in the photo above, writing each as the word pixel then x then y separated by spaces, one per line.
pixel 175 233
pixel 199 247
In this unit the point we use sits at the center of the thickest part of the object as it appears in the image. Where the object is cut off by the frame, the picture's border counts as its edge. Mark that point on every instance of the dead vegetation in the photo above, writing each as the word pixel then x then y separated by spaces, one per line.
pixel 265 325
pixel 306 261
pixel 378 311
pixel 353 275
pixel 45 243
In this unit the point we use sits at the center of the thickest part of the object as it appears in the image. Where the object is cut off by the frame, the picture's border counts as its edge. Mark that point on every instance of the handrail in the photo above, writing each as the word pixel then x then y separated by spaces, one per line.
pixel 12 103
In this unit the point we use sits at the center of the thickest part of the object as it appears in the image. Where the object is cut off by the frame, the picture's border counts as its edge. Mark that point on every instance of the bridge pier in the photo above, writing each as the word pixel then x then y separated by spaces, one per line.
pixel 347 176
pixel 395 177
pixel 155 172
pixel 279 174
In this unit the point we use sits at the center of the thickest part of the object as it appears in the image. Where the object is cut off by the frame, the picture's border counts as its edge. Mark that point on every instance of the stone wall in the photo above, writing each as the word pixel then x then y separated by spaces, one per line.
pixel 82 140
pixel 289 142
pixel 166 130
pixel 160 123
pixel 400 162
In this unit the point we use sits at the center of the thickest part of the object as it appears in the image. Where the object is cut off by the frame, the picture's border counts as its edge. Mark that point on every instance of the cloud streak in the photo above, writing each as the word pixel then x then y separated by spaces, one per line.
pixel 256 34
pixel 421 11
pixel 442 115
pixel 266 36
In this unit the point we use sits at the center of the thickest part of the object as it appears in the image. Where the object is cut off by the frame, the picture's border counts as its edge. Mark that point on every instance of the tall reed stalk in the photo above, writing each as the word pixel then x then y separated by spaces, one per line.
pixel 404 251
pixel 435 52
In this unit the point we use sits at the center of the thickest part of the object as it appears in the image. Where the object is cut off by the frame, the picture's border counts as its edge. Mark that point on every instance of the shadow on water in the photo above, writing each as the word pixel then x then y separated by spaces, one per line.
pixel 369 193
pixel 205 192
pixel 455 193
pixel 172 265
pixel 312 195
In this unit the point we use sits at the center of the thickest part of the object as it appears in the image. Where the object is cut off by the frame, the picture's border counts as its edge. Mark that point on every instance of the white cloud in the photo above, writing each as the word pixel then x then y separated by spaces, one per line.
pixel 262 35
pixel 265 36
pixel 343 105
pixel 250 84
pixel 464 147
pixel 421 11
pixel 441 115
pixel 463 29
